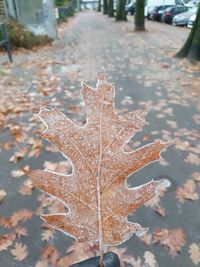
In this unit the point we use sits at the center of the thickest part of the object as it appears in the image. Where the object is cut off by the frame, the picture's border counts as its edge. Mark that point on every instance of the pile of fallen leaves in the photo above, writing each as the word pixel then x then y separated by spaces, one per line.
pixel 19 36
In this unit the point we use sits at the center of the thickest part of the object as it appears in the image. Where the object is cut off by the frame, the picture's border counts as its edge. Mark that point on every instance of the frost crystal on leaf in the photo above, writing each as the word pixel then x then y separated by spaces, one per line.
pixel 96 193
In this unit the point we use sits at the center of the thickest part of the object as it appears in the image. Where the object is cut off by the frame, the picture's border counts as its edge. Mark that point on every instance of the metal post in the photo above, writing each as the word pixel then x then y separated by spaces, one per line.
pixel 7 42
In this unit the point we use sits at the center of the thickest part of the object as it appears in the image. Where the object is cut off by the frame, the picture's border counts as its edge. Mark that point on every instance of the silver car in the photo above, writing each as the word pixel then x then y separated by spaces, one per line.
pixel 183 18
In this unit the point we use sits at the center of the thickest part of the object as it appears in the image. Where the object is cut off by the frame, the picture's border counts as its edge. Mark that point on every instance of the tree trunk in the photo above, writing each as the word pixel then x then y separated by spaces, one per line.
pixel 110 8
pixel 191 48
pixel 105 7
pixel 99 6
pixel 139 16
pixel 121 14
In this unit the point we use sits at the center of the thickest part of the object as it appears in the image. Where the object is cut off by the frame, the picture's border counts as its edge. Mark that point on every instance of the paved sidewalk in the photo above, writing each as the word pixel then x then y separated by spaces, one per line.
pixel 142 67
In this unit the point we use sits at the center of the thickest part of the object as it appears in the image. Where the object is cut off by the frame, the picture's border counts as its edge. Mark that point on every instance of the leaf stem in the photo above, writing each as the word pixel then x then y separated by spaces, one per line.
pixel 99 223
pixel 100 234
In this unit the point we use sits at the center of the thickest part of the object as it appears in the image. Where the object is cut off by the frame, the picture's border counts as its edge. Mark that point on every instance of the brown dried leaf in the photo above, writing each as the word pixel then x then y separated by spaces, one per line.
pixel 6 241
pixel 193 159
pixel 173 239
pixel 95 193
pixel 19 155
pixel 5 222
pixel 6 145
pixel 19 251
pixel 77 252
pixel 51 254
pixel 2 194
pixel 196 177
pixel 126 259
pixel 36 148
pixel 17 173
pixel 187 191
pixel 26 188
pixel 146 238
pixel 47 234
pixel 194 251
pixel 17 133
pixel 18 216
pixel 42 264
pixel 21 231
pixel 150 260
pixel 160 210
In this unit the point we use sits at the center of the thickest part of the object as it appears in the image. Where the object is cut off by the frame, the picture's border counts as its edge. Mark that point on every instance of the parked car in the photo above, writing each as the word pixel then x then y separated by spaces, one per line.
pixel 188 3
pixel 150 4
pixel 194 2
pixel 157 12
pixel 191 21
pixel 130 8
pixel 183 18
pixel 170 12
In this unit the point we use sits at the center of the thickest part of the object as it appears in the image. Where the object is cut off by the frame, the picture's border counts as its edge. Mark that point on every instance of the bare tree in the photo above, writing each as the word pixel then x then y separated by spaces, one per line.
pixel 110 8
pixel 105 7
pixel 139 16
pixel 191 48
pixel 121 13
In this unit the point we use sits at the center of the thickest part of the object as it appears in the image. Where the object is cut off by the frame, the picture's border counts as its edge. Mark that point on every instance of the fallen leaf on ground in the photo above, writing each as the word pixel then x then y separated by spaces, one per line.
pixel 125 258
pixel 146 238
pixel 19 251
pixel 196 177
pixel 42 264
pixel 194 251
pixel 47 234
pixel 51 254
pixel 21 231
pixel 173 239
pixel 193 159
pixel 2 194
pixel 187 191
pixel 161 211
pixel 26 188
pixel 21 215
pixel 6 241
pixel 17 173
pixel 78 252
pixel 150 259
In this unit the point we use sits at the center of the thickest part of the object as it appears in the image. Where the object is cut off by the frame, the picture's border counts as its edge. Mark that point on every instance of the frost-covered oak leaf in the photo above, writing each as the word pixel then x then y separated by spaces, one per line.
pixel 95 193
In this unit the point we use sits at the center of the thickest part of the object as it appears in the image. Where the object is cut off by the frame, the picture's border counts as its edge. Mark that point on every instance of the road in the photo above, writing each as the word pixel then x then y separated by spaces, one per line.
pixel 144 72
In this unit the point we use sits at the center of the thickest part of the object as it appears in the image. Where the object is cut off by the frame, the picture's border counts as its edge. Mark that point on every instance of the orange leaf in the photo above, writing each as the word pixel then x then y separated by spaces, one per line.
pixel 96 193
pixel 6 241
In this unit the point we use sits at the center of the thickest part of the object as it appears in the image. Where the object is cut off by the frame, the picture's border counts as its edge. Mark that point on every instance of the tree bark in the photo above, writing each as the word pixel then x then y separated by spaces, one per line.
pixel 121 14
pixel 191 48
pixel 99 6
pixel 105 7
pixel 139 16
pixel 110 8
